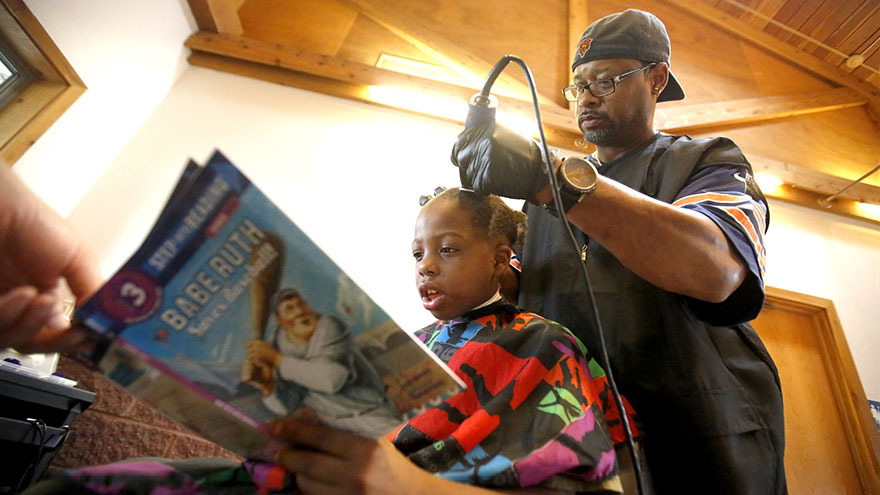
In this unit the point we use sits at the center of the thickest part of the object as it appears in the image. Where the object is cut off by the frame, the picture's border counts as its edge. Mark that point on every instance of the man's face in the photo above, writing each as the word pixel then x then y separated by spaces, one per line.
pixel 296 318
pixel 611 120
pixel 455 263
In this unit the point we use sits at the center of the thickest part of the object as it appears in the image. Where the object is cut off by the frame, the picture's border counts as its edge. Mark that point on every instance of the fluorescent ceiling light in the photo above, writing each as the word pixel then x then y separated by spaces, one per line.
pixel 417 101
pixel 410 66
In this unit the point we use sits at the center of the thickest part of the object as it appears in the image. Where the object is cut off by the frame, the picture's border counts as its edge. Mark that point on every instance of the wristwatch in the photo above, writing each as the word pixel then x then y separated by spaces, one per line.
pixel 577 178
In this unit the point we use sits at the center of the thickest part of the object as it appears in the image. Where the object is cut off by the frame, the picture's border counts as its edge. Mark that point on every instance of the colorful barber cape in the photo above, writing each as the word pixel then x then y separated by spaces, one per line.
pixel 531 414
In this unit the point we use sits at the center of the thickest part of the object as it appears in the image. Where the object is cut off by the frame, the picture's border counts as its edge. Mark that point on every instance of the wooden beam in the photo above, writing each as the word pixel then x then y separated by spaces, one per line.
pixel 349 88
pixel 689 118
pixel 815 181
pixel 785 50
pixel 217 16
pixel 277 55
pixel 578 20
pixel 807 187
pixel 421 35
pixel 809 199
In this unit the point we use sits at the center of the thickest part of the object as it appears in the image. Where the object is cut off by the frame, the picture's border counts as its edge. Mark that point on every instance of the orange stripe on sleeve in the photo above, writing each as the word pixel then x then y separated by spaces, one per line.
pixel 721 198
pixel 742 219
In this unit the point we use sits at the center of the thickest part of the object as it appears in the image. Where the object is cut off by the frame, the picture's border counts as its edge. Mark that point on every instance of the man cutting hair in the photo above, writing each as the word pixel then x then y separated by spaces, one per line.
pixel 671 229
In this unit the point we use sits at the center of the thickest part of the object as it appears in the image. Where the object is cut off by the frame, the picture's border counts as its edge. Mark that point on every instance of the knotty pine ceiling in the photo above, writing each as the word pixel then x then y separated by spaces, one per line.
pixel 794 82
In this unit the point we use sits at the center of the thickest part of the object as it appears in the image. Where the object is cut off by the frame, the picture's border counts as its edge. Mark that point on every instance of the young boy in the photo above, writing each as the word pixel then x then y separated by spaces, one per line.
pixel 530 415
pixel 529 421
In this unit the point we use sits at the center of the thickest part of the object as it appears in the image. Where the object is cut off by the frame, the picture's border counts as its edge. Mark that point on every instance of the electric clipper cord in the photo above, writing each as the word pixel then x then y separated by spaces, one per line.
pixel 482 110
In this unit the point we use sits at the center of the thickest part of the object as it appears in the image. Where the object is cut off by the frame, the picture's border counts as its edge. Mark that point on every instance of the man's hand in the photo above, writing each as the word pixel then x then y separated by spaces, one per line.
pixel 37 249
pixel 496 160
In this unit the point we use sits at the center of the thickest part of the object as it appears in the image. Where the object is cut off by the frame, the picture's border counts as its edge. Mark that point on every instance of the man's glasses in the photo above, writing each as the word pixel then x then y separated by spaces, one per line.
pixel 600 88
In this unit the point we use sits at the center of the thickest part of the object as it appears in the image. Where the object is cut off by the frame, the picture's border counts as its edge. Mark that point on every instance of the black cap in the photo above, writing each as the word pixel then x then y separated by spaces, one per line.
pixel 630 34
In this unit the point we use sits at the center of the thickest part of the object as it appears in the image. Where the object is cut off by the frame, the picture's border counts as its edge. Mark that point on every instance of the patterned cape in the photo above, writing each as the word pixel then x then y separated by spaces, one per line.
pixel 532 413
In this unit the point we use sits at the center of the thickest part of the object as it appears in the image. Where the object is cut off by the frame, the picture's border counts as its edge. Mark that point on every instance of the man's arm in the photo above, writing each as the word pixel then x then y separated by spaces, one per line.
pixel 678 250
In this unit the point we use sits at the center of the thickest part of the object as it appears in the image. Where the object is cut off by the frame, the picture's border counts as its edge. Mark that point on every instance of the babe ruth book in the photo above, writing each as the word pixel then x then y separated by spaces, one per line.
pixel 228 316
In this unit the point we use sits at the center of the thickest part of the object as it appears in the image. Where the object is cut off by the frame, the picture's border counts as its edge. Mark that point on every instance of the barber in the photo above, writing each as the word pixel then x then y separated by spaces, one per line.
pixel 671 229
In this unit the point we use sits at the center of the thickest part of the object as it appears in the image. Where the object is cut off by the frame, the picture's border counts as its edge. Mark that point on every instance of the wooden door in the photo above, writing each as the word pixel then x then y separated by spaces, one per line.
pixel 831 440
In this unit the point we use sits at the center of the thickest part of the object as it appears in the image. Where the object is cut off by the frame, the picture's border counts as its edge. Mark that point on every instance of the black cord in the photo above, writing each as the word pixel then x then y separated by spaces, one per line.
pixel 557 200
pixel 40 425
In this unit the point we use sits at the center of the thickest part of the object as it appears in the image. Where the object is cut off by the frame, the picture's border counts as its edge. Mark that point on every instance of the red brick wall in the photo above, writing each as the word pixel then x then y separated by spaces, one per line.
pixel 117 426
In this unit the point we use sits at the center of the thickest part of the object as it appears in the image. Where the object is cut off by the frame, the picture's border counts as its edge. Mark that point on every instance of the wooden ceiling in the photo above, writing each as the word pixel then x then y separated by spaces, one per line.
pixel 842 33
pixel 794 82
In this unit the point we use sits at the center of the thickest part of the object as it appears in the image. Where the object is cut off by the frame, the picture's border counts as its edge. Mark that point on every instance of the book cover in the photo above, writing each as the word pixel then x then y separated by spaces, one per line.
pixel 228 315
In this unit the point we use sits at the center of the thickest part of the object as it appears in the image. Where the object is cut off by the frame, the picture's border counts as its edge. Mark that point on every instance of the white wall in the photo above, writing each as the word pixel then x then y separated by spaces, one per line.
pixel 835 258
pixel 350 174
pixel 128 53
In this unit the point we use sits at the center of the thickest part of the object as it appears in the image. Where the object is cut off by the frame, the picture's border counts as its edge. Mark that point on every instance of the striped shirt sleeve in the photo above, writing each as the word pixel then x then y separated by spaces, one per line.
pixel 515 263
pixel 729 197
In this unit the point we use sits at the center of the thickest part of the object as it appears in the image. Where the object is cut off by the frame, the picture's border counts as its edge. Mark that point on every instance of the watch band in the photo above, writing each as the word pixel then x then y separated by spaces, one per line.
pixel 569 193
pixel 569 199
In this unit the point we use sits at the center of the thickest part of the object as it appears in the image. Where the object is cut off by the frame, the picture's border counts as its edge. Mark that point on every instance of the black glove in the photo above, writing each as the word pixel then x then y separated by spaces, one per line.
pixel 492 159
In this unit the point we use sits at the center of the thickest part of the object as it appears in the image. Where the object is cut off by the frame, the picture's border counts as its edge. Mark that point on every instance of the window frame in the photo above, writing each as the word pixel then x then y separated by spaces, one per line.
pixel 51 88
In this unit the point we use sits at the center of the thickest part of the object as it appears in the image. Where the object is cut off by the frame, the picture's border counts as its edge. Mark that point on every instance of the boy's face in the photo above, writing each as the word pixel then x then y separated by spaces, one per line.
pixel 457 266
pixel 296 318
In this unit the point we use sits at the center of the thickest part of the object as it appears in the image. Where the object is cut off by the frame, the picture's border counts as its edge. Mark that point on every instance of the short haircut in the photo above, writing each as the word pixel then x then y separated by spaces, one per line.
pixel 490 213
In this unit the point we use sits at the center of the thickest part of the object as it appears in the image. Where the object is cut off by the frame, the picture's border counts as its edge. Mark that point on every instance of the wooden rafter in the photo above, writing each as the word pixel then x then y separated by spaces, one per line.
pixel 689 118
pixel 344 70
pixel 578 20
pixel 813 180
pixel 807 187
pixel 217 16
pixel 356 74
pixel 787 51
pixel 421 35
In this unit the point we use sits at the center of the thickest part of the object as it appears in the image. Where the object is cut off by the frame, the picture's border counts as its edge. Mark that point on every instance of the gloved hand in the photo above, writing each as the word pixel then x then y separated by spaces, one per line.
pixel 496 160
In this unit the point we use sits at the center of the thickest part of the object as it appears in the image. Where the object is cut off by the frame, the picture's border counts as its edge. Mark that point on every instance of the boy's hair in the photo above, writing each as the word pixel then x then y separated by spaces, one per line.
pixel 490 213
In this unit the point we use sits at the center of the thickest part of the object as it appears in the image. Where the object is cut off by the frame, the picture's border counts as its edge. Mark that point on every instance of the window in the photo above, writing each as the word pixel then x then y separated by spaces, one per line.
pixel 37 84
pixel 13 75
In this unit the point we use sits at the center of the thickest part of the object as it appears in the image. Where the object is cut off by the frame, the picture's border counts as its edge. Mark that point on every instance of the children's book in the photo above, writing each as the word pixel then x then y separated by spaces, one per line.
pixel 228 316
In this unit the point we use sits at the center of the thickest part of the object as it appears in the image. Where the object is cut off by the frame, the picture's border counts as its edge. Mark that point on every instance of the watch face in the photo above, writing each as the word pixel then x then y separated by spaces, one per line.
pixel 579 173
